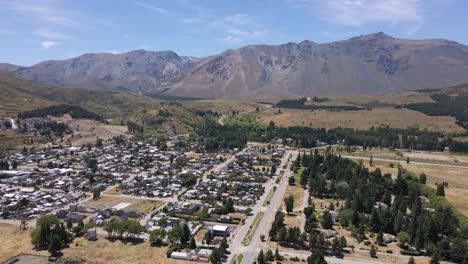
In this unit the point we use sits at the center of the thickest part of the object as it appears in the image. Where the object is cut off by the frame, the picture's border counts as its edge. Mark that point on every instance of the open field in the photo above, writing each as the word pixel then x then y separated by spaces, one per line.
pixel 14 241
pixel 296 191
pixel 87 131
pixel 222 106
pixel 425 156
pixel 364 119
pixel 134 204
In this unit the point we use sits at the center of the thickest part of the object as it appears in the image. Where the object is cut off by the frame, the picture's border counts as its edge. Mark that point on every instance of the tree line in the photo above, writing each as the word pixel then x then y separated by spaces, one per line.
pixel 59 110
pixel 215 136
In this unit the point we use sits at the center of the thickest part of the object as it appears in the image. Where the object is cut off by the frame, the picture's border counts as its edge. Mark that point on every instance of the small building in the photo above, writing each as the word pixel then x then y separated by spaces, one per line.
pixel 220 230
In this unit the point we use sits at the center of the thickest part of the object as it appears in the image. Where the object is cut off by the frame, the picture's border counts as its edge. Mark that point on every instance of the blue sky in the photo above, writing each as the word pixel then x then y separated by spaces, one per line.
pixel 37 30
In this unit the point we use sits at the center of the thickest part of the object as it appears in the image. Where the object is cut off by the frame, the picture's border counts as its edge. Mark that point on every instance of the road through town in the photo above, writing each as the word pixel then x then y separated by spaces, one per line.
pixel 250 251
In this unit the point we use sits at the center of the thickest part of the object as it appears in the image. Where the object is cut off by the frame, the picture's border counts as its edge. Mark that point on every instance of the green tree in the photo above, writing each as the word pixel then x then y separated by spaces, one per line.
pixel 316 258
pixel 435 259
pixel 185 234
pixel 156 237
pixel 193 244
pixel 55 245
pixel 292 180
pixel 277 255
pixel 327 221
pixel 289 202
pixel 175 234
pixel 216 256
pixel 261 258
pixel 411 261
pixel 422 178
pixel 440 190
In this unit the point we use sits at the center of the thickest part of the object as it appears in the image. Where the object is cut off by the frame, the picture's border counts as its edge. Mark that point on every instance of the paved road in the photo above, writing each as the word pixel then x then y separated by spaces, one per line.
pixel 250 252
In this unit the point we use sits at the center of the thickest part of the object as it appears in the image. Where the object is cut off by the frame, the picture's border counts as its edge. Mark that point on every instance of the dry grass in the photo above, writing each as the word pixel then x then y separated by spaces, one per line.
pixel 397 118
pixel 14 241
pixel 222 106
pixel 87 131
pixel 144 205
pixel 104 251
pixel 135 204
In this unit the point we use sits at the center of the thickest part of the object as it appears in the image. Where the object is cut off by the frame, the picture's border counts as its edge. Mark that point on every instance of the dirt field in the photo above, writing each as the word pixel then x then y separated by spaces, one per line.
pixel 397 118
pixel 86 131
pixel 14 241
pixel 135 204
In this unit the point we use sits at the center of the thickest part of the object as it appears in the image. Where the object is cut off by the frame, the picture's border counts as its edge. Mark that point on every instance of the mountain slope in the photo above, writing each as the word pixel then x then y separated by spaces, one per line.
pixel 370 64
pixel 22 95
pixel 136 70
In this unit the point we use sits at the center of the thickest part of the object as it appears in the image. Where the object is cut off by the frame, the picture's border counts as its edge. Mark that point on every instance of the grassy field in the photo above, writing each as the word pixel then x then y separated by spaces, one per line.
pixel 252 229
pixel 364 119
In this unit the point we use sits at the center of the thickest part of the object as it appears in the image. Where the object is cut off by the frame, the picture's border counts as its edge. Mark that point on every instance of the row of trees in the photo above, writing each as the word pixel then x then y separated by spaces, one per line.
pixel 59 110
pixel 234 135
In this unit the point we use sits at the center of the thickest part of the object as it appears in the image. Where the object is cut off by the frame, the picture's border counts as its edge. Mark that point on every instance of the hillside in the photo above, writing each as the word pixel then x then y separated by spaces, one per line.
pixel 369 64
pixel 20 95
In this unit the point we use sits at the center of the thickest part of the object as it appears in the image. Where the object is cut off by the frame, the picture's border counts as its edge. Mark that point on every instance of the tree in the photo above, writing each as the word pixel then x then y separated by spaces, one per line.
pixel 373 252
pixel 185 234
pixel 156 237
pixel 215 257
pixel 327 221
pixel 422 178
pixel 55 245
pixel 208 237
pixel 403 238
pixel 435 259
pixel 440 190
pixel 336 247
pixel 269 256
pixel 289 202
pixel 316 258
pixel 292 180
pixel 175 234
pixel 223 246
pixel 262 237
pixel 277 255
pixel 411 261
pixel 380 237
pixel 193 244
pixel 261 258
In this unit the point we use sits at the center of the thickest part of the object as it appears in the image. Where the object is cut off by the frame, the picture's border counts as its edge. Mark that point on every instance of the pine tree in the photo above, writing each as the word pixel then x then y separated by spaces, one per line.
pixel 193 244
pixel 411 261
pixel 261 258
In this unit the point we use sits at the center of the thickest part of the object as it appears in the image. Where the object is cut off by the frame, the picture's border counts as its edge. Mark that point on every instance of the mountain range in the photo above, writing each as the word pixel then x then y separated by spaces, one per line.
pixel 369 64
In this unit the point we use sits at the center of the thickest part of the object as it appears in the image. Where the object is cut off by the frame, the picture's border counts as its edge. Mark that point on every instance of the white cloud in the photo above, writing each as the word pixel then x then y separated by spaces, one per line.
pixel 114 52
pixel 153 8
pixel 42 10
pixel 46 33
pixel 239 28
pixel 47 44
pixel 357 13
